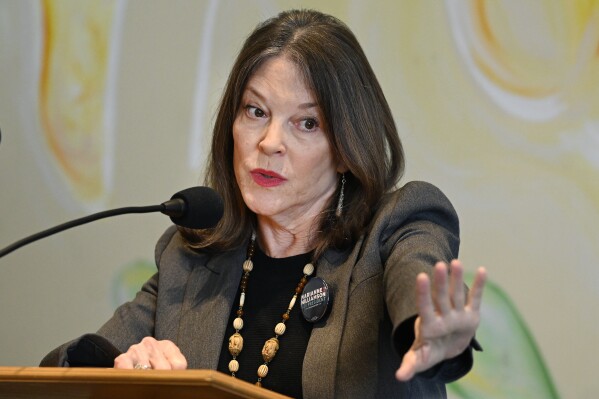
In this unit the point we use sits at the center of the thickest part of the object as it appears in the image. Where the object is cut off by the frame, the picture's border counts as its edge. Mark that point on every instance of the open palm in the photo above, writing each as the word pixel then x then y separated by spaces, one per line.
pixel 447 319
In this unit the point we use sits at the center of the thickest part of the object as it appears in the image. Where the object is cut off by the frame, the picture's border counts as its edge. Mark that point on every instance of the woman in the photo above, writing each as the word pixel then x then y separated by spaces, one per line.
pixel 306 155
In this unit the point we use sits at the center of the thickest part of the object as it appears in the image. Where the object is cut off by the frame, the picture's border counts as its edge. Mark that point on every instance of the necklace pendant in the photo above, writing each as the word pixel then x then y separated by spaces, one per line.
pixel 270 349
pixel 235 344
pixel 271 346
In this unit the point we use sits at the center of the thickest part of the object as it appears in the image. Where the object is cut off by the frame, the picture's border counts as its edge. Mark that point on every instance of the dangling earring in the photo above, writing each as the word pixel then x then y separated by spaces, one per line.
pixel 341 197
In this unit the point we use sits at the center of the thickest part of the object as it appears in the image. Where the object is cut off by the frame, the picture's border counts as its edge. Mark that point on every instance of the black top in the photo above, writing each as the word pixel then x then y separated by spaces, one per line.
pixel 271 286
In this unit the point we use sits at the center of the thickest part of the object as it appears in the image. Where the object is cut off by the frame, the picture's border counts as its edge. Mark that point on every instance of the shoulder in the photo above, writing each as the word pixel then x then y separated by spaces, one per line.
pixel 416 199
pixel 419 211
pixel 165 241
pixel 413 196
pixel 172 251
pixel 173 255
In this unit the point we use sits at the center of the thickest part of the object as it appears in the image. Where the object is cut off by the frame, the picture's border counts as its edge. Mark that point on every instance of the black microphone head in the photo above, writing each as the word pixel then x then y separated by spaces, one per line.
pixel 203 208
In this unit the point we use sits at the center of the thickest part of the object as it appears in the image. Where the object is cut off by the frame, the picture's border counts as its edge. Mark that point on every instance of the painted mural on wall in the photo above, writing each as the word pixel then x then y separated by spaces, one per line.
pixel 539 63
pixel 518 77
pixel 511 364
pixel 69 52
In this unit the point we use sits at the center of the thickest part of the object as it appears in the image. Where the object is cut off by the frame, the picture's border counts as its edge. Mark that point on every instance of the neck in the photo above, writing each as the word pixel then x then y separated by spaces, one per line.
pixel 279 242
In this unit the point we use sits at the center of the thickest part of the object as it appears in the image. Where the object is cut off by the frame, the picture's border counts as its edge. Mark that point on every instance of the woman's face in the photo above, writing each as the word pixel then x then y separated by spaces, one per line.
pixel 283 161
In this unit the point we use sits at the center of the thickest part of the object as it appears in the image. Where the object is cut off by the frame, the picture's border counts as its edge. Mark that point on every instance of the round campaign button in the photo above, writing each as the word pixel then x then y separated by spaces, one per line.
pixel 315 299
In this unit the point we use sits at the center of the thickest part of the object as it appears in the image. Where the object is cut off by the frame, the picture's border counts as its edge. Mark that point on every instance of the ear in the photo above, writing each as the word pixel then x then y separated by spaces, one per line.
pixel 341 167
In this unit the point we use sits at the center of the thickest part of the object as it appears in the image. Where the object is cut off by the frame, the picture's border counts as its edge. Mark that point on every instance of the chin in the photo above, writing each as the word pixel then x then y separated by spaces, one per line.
pixel 261 203
pixel 264 209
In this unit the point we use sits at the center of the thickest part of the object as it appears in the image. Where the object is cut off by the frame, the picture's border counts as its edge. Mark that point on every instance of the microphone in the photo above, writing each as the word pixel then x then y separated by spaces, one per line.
pixel 195 208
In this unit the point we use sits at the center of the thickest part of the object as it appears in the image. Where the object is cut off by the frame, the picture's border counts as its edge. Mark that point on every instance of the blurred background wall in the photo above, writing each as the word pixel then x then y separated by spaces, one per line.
pixel 107 103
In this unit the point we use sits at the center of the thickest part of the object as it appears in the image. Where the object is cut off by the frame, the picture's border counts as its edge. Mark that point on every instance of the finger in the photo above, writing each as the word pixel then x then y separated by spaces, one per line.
pixel 136 354
pixel 441 289
pixel 426 309
pixel 155 353
pixel 123 361
pixel 407 369
pixel 164 355
pixel 173 355
pixel 456 285
pixel 139 353
pixel 476 293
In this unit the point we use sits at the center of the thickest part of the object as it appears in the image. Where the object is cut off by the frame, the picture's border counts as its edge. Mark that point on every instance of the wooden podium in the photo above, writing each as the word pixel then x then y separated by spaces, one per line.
pixel 98 383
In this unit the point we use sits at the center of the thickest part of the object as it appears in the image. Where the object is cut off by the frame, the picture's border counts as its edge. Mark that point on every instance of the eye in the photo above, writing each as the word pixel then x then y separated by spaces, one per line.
pixel 254 111
pixel 309 124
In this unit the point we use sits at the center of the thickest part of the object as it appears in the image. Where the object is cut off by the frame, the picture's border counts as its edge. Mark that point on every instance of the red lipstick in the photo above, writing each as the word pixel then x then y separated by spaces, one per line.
pixel 267 178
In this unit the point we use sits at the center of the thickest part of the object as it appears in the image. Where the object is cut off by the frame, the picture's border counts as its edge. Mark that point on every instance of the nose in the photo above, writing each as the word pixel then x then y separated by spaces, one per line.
pixel 272 141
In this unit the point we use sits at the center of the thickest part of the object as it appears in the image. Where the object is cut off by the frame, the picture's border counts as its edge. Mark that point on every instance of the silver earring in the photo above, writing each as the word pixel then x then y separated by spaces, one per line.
pixel 341 197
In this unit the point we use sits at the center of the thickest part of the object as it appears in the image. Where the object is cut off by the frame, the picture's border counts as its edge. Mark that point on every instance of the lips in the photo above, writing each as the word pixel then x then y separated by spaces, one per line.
pixel 267 178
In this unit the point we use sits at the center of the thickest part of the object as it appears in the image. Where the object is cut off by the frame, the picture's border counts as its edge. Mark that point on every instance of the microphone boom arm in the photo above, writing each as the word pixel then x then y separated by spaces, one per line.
pixel 86 219
pixel 206 213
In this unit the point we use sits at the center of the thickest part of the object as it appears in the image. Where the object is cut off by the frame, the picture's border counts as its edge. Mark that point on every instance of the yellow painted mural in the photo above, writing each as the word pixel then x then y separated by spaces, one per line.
pixel 74 100
pixel 497 102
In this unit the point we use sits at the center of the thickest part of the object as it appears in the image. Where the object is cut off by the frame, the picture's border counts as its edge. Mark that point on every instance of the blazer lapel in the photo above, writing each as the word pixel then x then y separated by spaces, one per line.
pixel 320 362
pixel 209 296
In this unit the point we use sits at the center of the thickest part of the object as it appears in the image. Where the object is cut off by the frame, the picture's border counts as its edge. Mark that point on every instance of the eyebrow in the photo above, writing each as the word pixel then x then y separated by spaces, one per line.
pixel 308 105
pixel 261 97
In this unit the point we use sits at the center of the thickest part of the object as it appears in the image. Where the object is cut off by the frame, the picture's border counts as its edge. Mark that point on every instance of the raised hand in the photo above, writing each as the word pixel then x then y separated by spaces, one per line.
pixel 446 321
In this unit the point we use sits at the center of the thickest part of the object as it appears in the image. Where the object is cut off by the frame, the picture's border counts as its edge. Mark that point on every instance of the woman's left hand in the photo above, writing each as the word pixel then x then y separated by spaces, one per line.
pixel 446 321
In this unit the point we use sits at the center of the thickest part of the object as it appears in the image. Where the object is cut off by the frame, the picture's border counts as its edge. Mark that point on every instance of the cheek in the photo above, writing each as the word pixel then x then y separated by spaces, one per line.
pixel 321 168
pixel 238 163
pixel 241 143
pixel 237 153
pixel 325 160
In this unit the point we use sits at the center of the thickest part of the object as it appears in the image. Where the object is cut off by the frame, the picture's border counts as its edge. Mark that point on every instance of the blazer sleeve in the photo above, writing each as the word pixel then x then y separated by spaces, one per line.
pixel 130 323
pixel 421 228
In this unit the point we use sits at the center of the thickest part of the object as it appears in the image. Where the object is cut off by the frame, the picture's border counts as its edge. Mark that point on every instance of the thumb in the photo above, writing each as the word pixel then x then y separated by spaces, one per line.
pixel 407 368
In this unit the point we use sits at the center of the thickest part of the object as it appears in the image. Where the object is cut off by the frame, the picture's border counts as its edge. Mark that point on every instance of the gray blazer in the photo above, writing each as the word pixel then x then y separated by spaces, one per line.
pixel 352 353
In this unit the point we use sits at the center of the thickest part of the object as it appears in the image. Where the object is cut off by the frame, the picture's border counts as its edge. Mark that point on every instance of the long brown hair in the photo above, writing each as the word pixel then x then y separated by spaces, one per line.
pixel 359 126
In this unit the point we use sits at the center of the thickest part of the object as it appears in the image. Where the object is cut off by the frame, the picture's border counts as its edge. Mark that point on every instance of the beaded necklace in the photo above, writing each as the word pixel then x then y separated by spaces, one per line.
pixel 271 346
